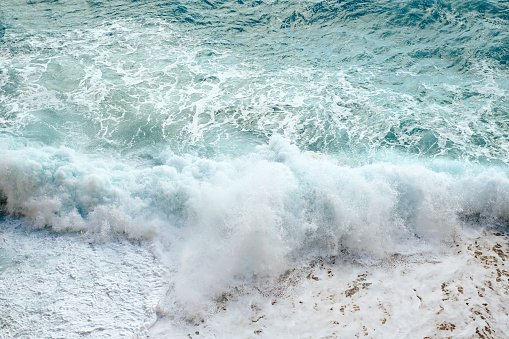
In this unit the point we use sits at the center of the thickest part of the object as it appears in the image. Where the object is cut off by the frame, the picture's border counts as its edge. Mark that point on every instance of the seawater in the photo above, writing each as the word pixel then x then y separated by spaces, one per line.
pixel 240 139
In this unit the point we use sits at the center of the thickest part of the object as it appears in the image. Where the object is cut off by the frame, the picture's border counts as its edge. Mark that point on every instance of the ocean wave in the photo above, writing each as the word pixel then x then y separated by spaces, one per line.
pixel 253 215
pixel 304 192
pixel 242 138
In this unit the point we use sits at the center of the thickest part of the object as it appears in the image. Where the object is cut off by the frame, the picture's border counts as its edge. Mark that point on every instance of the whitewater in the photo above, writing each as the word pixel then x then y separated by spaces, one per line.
pixel 257 168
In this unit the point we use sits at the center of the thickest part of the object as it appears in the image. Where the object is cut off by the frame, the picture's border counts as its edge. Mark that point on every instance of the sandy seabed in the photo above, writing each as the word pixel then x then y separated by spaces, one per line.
pixel 463 293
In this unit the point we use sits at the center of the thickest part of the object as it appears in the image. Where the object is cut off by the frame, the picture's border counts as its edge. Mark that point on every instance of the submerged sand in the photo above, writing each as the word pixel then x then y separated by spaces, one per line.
pixel 460 294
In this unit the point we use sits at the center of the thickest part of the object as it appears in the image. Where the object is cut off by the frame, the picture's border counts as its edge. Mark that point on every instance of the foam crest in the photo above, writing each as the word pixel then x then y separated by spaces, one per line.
pixel 221 222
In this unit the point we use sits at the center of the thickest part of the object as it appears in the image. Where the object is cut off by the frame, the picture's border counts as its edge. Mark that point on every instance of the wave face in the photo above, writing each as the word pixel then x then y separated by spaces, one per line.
pixel 245 137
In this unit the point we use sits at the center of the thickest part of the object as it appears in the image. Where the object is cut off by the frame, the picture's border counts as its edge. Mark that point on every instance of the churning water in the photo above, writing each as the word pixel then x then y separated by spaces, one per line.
pixel 210 146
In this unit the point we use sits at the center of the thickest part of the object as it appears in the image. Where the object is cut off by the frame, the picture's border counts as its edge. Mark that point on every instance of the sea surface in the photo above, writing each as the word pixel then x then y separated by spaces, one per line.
pixel 163 164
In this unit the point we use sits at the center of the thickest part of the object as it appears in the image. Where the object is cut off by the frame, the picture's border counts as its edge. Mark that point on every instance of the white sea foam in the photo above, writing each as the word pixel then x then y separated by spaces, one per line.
pixel 224 222
pixel 247 139
pixel 65 286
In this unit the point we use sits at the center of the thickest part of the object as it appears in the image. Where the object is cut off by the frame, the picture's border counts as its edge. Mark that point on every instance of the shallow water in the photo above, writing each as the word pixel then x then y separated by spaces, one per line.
pixel 55 286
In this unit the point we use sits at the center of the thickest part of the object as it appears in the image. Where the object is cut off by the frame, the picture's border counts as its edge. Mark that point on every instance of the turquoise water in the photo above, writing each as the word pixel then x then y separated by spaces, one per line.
pixel 425 78
pixel 244 137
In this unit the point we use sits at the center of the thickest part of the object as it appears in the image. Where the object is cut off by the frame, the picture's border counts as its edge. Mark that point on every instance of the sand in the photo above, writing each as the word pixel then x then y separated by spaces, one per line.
pixel 461 293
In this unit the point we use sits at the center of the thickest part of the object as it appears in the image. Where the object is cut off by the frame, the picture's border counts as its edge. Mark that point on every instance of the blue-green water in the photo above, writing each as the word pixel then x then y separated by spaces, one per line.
pixel 243 137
